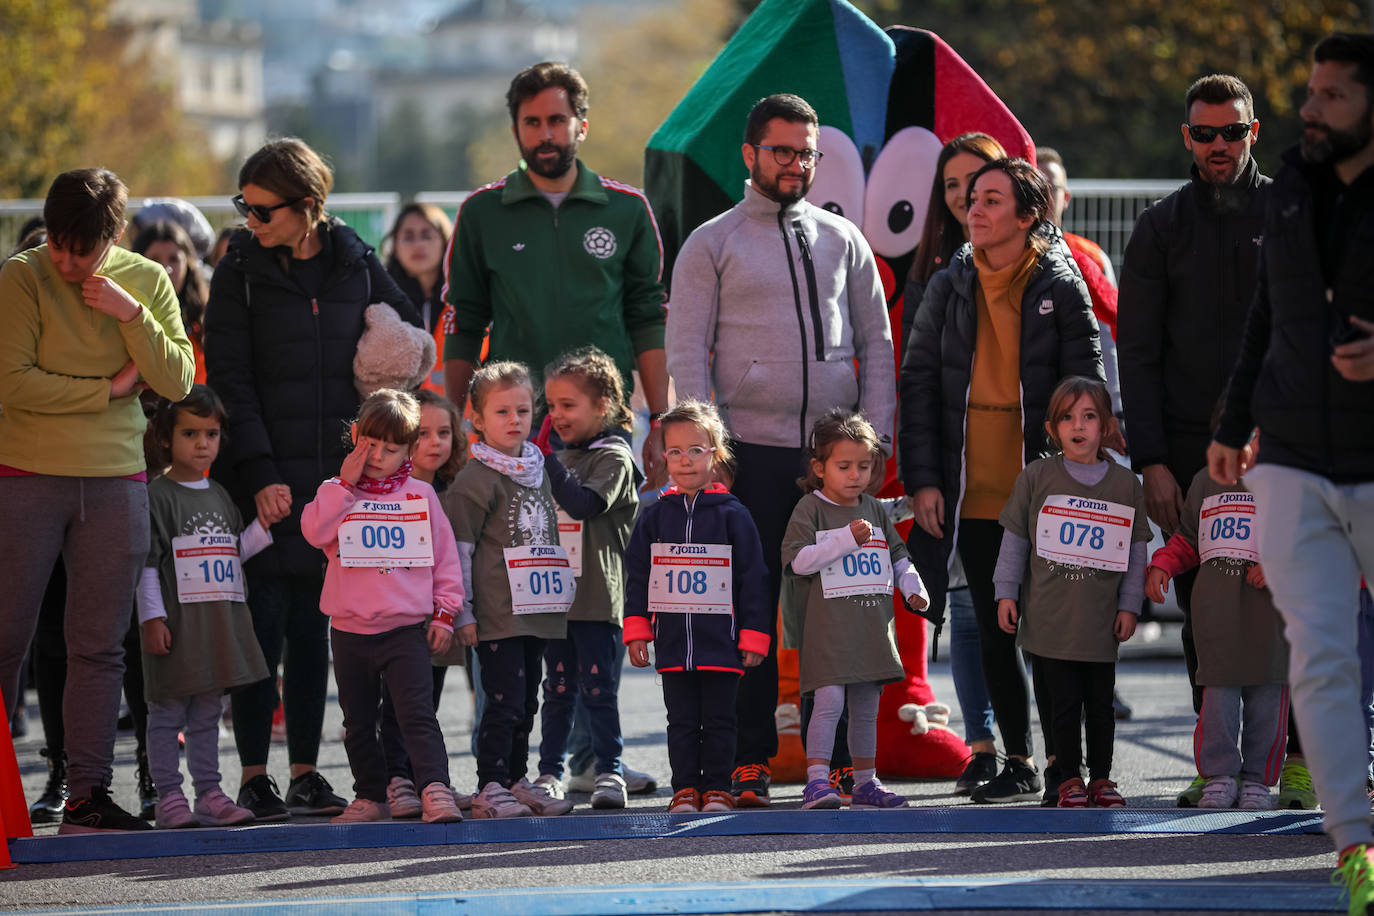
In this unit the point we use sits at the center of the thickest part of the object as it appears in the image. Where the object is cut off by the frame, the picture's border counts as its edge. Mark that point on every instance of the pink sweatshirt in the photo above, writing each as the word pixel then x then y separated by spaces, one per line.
pixel 370 600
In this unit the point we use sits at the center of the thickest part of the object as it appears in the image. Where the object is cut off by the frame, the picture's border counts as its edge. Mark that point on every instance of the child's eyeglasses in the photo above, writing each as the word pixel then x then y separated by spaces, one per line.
pixel 695 453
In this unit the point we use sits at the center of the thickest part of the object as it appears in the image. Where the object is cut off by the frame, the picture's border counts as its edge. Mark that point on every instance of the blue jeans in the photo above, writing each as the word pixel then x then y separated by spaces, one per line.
pixel 581 670
pixel 966 666
pixel 1366 650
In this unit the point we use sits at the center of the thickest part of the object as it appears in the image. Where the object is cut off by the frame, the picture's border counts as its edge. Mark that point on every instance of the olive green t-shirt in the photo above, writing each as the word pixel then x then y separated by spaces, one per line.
pixel 608 469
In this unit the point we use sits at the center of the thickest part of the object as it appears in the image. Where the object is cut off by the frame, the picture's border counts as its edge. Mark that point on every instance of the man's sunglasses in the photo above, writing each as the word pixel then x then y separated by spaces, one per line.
pixel 1203 133
pixel 259 212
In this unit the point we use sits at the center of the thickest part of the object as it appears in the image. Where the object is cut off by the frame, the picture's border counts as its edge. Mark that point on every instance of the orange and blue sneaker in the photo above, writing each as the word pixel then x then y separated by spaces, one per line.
pixel 843 781
pixel 1354 873
pixel 749 785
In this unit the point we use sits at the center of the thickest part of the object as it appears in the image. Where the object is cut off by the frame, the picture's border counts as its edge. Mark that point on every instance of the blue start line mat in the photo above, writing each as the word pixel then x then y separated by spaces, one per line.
pixel 917 894
pixel 270 838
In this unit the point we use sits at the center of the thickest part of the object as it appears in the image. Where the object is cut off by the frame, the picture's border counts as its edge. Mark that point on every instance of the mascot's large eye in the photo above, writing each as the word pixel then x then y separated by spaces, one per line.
pixel 839 184
pixel 898 191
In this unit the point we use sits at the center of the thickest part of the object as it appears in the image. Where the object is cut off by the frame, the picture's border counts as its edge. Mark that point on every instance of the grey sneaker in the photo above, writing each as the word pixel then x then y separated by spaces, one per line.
pixel 637 783
pixel 402 798
pixel 540 800
pixel 609 791
pixel 495 800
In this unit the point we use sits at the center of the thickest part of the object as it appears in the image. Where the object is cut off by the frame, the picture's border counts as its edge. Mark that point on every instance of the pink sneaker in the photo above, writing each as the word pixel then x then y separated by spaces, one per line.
pixel 215 809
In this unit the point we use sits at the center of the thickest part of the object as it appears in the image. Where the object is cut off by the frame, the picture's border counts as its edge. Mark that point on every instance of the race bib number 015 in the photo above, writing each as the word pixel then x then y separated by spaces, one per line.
pixel 690 579
pixel 541 581
pixel 570 536
pixel 207 568
pixel 1077 531
pixel 379 532
pixel 866 571
pixel 1226 527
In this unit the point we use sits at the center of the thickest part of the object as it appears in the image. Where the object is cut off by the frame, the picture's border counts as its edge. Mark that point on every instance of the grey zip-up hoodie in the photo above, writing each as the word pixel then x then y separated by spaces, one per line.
pixel 770 307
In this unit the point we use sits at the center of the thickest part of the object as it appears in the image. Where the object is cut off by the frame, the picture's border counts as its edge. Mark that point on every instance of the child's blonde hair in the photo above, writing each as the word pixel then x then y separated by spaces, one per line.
pixel 1066 394
pixel 495 376
pixel 703 415
pixel 832 427
pixel 390 416
pixel 598 377
pixel 459 454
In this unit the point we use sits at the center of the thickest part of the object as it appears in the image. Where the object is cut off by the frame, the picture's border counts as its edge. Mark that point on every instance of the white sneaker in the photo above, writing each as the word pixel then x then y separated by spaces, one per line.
pixel 540 801
pixel 609 792
pixel 1254 796
pixel 440 806
pixel 637 783
pixel 1220 792
pixel 174 812
pixel 402 799
pixel 551 784
pixel 362 810
pixel 495 800
pixel 585 781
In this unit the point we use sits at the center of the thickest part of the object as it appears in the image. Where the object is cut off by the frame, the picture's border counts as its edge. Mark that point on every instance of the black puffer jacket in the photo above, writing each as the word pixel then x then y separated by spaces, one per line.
pixel 1059 337
pixel 282 362
pixel 1310 417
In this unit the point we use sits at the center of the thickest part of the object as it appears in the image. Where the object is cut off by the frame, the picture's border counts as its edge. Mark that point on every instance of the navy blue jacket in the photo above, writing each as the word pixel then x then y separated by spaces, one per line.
pixel 700 642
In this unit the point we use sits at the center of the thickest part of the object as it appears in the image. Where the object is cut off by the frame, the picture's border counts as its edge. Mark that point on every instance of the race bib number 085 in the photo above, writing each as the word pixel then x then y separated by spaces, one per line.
pixel 1077 531
pixel 1226 527
pixel 690 579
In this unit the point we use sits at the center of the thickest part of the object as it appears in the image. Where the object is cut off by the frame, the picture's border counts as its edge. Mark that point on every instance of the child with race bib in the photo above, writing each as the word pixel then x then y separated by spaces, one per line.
pixel 1070 580
pixel 1242 654
pixel 522 585
pixel 394 592
pixel 197 632
pixel 842 554
pixel 596 485
pixel 698 591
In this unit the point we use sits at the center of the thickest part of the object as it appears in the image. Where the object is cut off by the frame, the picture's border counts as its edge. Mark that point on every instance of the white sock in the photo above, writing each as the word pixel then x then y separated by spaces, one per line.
pixel 864 777
pixel 817 772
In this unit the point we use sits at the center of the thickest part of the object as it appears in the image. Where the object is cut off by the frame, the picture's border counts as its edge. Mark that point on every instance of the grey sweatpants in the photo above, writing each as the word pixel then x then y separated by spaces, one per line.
pixel 99 526
pixel 197 716
pixel 1315 539
pixel 1242 732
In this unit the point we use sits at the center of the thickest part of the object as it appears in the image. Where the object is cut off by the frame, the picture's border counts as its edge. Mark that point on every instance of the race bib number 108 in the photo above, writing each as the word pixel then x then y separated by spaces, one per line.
pixel 690 579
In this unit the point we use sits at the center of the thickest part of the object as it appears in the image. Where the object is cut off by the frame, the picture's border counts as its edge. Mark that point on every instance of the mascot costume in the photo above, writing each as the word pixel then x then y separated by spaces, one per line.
pixel 888 101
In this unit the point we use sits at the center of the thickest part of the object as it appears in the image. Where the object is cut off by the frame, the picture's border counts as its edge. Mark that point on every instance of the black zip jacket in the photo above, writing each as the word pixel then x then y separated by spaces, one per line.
pixel 282 362
pixel 1310 417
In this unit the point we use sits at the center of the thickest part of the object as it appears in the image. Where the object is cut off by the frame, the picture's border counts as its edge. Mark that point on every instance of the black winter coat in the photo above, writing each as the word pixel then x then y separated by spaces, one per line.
pixel 1310 417
pixel 282 362
pixel 1186 284
pixel 1059 337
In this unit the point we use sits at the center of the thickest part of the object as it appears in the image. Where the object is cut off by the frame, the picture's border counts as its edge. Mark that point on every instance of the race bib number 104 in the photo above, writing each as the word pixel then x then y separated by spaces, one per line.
pixel 207 568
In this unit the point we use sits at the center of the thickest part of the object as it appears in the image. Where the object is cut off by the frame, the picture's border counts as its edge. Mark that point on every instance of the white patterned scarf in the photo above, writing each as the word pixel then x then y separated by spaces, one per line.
pixel 527 470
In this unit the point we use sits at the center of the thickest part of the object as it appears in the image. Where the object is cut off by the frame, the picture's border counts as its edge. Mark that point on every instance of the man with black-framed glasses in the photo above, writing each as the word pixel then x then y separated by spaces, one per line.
pixel 771 305
pixel 1186 284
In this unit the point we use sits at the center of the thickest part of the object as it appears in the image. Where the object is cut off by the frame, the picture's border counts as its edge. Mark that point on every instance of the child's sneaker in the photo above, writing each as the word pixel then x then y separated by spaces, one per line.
pixel 495 800
pixel 609 791
pixel 585 780
pixel 215 809
pixel 637 783
pixel 1190 796
pixel 873 794
pixel 97 814
pixel 1018 781
pixel 819 793
pixel 361 811
pixel 1219 792
pixel 259 795
pixel 439 805
pixel 1254 796
pixel 174 812
pixel 1072 793
pixel 982 767
pixel 1053 780
pixel 402 798
pixel 685 801
pixel 1102 793
pixel 715 800
pixel 543 798
pixel 311 793
pixel 749 785
pixel 843 781
pixel 1295 785
pixel 1354 871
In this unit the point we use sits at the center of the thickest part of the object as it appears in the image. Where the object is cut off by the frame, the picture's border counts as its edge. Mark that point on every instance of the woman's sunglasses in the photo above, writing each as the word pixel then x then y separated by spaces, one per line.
pixel 1203 133
pixel 259 212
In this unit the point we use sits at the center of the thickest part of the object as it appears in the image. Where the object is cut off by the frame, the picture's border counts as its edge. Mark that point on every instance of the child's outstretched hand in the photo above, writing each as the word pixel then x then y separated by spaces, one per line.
pixel 752 659
pixel 156 638
pixel 862 531
pixel 1007 615
pixel 439 639
pixel 639 652
pixel 917 603
pixel 355 461
pixel 1125 626
pixel 1255 576
pixel 1156 584
pixel 541 441
pixel 467 635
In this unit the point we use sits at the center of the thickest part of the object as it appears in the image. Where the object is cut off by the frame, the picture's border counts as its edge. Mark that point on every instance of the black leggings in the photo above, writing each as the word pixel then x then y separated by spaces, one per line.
pixel 1081 692
pixel 979 542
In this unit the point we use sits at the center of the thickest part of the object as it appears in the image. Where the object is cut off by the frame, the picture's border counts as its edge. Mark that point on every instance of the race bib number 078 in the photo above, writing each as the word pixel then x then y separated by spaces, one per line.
pixel 1078 531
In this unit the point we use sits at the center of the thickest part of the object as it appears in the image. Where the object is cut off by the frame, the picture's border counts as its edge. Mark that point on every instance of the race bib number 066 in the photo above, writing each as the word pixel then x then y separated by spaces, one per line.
pixel 1226 527
pixel 1077 531
pixel 866 571
pixel 690 579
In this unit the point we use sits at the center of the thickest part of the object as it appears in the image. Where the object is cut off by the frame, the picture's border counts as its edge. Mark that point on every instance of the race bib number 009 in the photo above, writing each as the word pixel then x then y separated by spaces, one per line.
pixel 1077 531
pixel 541 581
pixel 690 579
pixel 570 536
pixel 866 571
pixel 382 532
pixel 207 568
pixel 1226 527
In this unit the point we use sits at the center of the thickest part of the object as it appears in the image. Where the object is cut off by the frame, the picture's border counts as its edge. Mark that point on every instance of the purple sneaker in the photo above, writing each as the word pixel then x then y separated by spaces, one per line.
pixel 819 793
pixel 873 794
